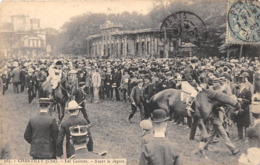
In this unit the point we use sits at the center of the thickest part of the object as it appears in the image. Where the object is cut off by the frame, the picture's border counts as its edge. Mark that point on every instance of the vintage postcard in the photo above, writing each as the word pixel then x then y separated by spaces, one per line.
pixel 128 82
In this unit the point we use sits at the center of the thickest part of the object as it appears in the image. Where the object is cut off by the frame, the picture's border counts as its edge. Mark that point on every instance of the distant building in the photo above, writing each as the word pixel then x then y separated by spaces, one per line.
pixel 22 36
pixel 113 42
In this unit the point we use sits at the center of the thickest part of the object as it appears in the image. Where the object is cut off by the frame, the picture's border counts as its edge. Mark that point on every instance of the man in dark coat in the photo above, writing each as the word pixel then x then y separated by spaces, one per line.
pixel 29 84
pixel 137 100
pixel 244 95
pixel 159 150
pixel 117 80
pixel 73 120
pixel 42 132
pixel 40 77
pixel 22 78
pixel 16 78
pixel 108 84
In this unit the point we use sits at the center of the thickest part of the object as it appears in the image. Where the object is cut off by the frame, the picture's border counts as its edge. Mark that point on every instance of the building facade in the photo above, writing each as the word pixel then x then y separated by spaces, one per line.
pixel 23 36
pixel 113 42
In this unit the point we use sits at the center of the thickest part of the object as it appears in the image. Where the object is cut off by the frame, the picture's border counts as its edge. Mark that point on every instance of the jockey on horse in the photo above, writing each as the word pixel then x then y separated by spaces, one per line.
pixel 191 85
pixel 56 75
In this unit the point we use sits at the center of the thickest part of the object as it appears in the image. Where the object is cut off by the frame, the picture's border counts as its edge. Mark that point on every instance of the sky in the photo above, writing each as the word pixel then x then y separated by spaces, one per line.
pixel 54 14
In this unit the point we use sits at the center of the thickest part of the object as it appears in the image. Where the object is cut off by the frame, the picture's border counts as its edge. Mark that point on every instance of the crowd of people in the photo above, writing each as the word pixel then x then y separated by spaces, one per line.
pixel 136 81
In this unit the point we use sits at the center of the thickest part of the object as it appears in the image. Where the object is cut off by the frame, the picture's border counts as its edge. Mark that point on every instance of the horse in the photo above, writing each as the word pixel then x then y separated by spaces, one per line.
pixel 79 97
pixel 59 94
pixel 170 101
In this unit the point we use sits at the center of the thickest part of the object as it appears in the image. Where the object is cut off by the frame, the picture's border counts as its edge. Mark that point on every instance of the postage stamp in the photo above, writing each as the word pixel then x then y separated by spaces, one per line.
pixel 243 22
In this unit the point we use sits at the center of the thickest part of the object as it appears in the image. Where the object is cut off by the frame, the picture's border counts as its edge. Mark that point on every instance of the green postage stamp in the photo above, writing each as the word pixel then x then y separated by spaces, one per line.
pixel 243 22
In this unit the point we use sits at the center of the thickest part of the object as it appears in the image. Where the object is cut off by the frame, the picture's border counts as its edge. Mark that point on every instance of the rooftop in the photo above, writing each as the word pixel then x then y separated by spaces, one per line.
pixel 148 30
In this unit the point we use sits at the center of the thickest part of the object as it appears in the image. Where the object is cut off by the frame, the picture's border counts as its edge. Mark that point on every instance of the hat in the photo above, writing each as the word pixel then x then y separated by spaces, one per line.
pixel 159 115
pixel 44 101
pixel 244 74
pixel 73 72
pixel 194 59
pixel 255 107
pixel 79 134
pixel 146 124
pixel 73 105
pixel 58 63
pixel 79 130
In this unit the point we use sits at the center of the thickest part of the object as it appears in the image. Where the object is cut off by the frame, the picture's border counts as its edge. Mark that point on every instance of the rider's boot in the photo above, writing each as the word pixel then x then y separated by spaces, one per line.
pixel 188 107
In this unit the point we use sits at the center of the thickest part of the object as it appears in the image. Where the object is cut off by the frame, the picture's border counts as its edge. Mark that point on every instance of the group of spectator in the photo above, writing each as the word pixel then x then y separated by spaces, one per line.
pixel 137 80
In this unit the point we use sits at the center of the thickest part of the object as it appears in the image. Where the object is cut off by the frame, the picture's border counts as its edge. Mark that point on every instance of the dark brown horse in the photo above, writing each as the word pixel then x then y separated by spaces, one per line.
pixel 170 100
pixel 59 94
pixel 77 94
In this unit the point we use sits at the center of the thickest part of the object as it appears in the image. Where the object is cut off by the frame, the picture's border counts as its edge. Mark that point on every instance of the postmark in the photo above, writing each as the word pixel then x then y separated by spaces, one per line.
pixel 186 27
pixel 243 22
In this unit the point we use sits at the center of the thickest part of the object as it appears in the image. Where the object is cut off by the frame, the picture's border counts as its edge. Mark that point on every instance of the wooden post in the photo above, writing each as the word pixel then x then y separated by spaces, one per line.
pixel 240 54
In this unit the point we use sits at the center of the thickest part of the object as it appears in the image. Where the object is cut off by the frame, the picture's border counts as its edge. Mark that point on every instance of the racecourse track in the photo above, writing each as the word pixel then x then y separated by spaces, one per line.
pixel 111 132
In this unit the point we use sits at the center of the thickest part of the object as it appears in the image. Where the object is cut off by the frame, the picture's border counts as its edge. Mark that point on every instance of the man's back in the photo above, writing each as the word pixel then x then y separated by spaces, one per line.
pixel 16 75
pixel 64 131
pixel 160 151
pixel 41 133
pixel 136 95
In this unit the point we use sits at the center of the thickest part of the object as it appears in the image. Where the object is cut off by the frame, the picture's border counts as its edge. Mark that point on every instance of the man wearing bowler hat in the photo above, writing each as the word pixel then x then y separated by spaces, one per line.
pixel 42 132
pixel 73 120
pixel 137 99
pixel 159 150
pixel 244 96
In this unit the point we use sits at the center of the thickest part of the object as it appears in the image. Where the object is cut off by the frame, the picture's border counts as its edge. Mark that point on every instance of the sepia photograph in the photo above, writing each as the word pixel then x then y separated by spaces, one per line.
pixel 130 82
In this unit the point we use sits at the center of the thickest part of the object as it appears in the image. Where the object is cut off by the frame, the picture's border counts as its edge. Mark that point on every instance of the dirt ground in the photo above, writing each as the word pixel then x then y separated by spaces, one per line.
pixel 111 132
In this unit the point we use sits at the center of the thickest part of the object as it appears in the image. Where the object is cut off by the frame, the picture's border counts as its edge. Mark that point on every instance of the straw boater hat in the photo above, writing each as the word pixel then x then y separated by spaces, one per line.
pixel 255 107
pixel 73 105
pixel 146 125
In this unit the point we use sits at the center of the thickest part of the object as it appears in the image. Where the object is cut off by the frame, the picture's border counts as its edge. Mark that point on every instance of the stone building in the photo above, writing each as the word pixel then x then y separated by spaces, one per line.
pixel 22 36
pixel 113 42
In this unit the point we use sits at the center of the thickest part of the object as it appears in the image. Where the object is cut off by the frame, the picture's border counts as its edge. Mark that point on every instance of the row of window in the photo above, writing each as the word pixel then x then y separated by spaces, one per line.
pixel 32 43
pixel 113 49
